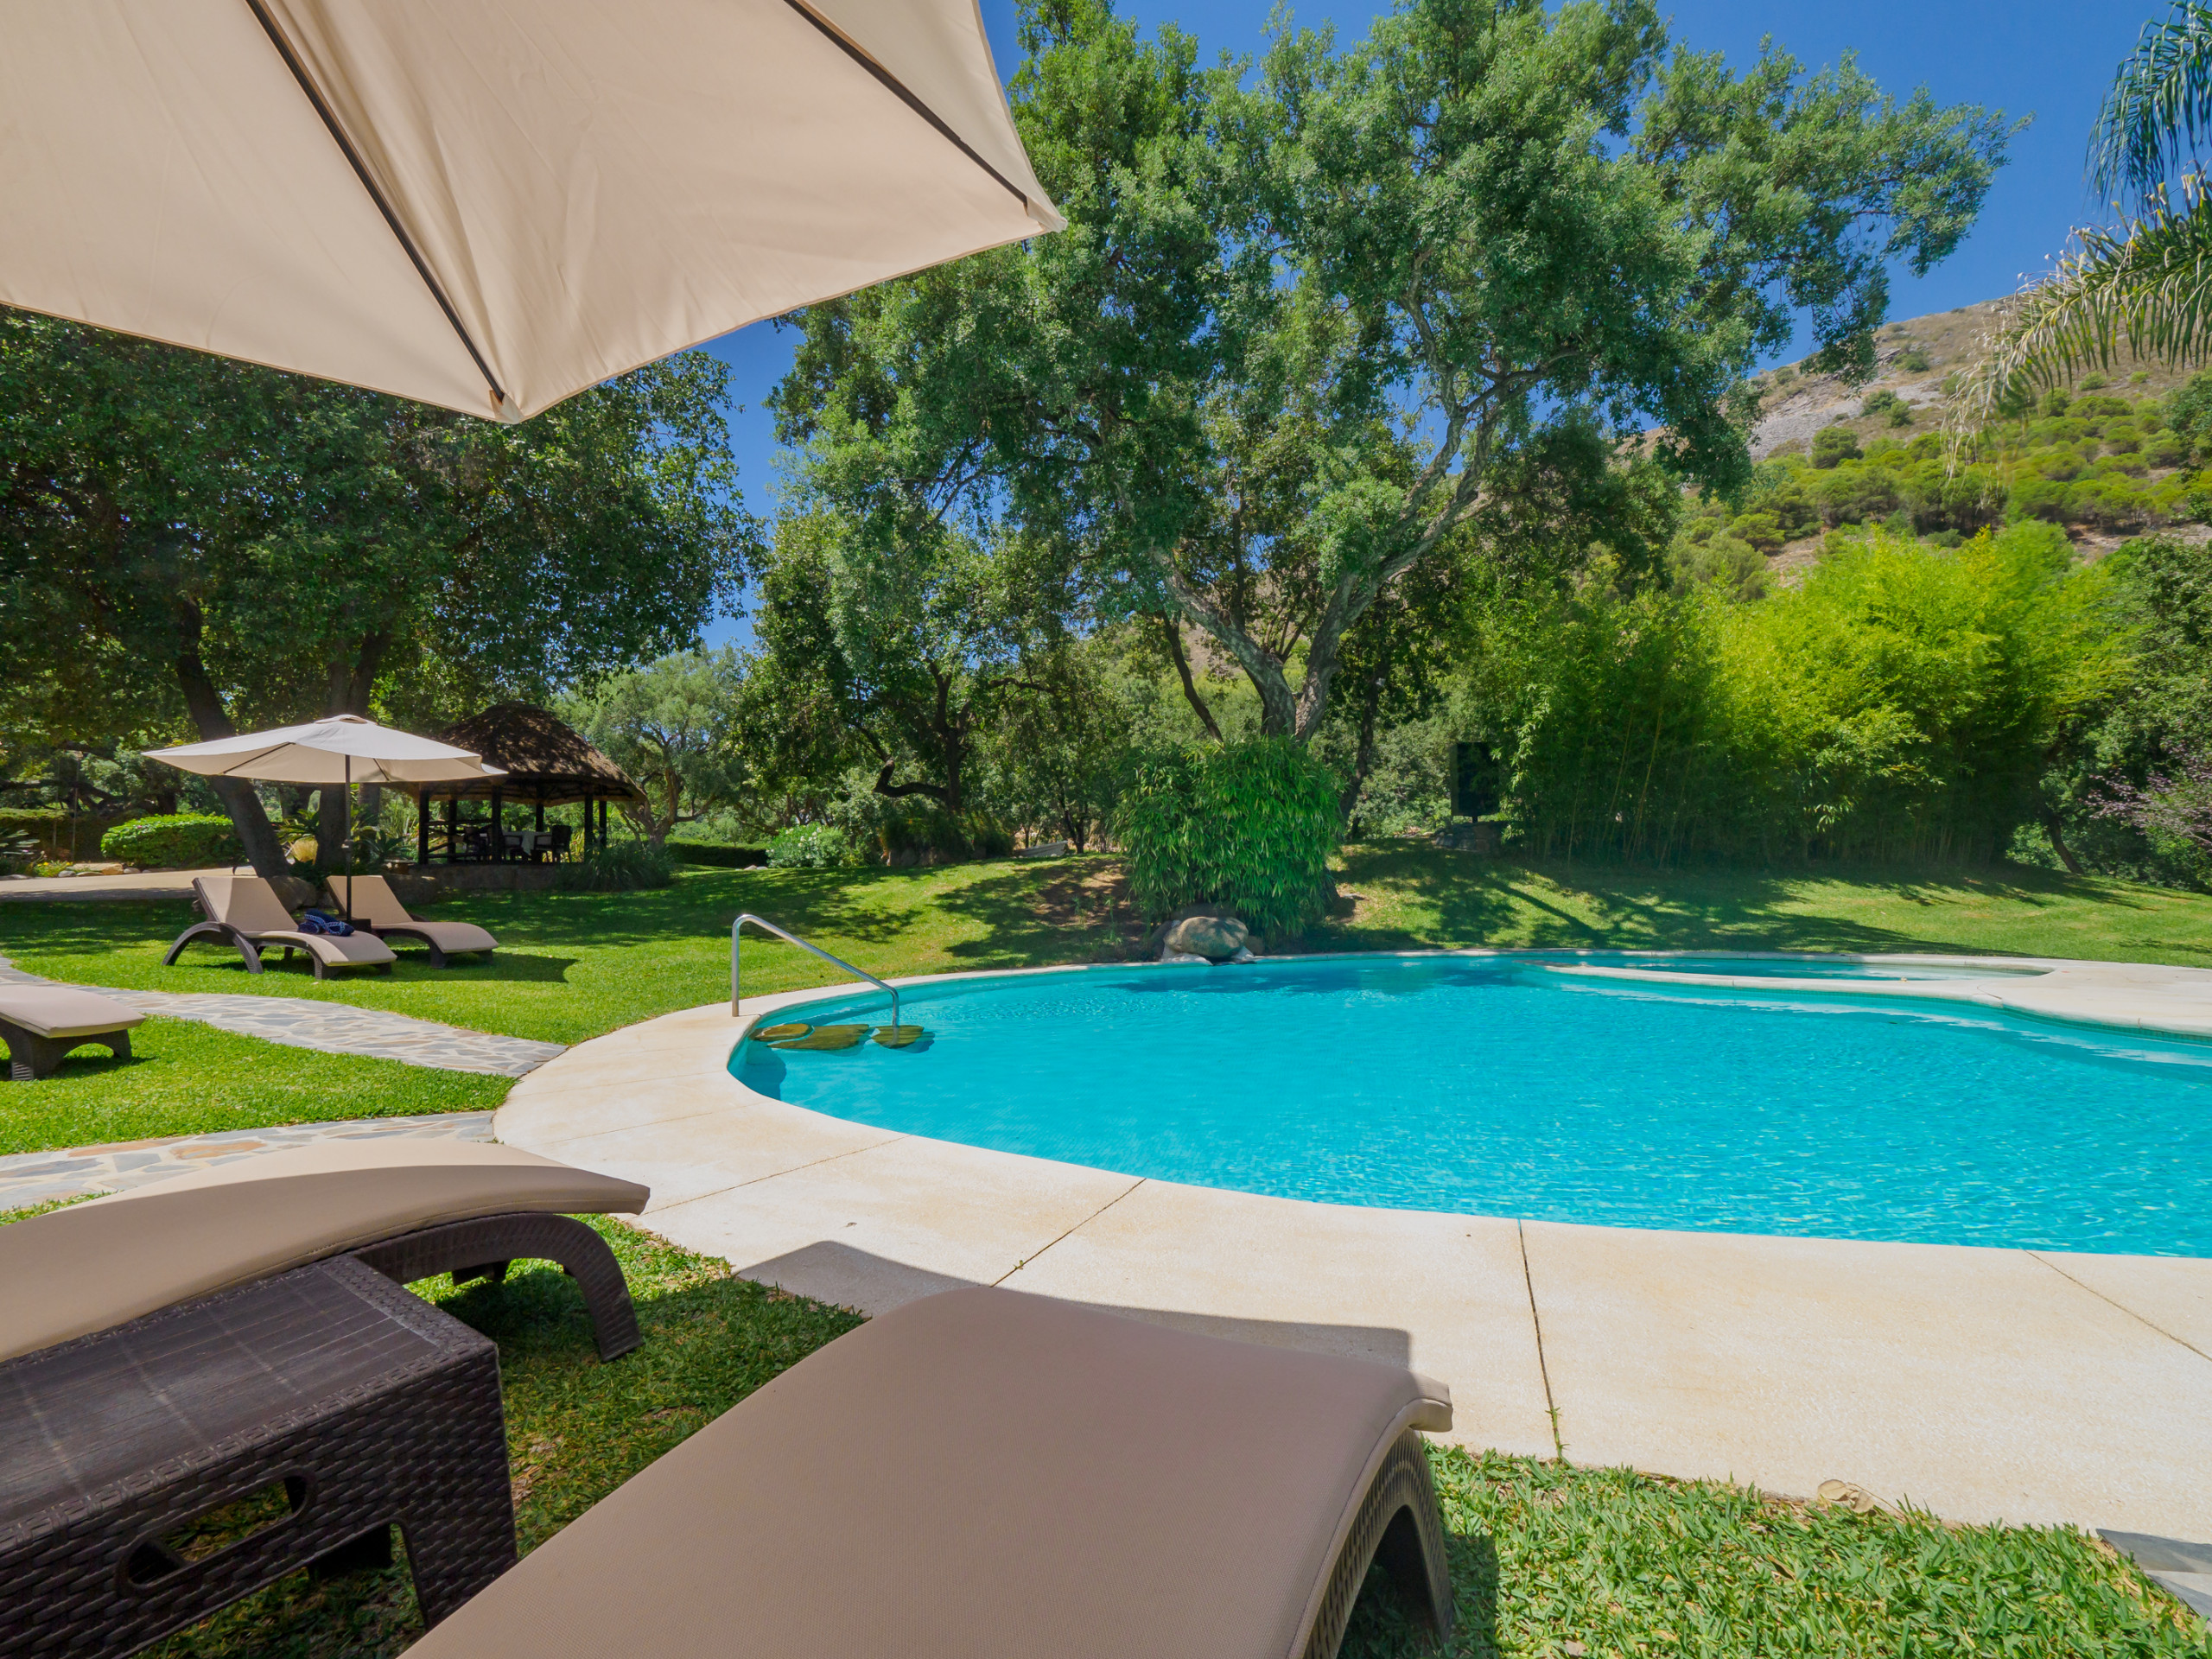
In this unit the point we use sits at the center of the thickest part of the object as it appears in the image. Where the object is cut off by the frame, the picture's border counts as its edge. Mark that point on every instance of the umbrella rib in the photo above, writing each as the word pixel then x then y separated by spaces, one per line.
pixel 838 38
pixel 376 194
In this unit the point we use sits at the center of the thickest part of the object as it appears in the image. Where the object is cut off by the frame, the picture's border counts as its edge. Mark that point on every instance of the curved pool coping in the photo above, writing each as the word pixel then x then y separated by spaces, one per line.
pixel 1985 1384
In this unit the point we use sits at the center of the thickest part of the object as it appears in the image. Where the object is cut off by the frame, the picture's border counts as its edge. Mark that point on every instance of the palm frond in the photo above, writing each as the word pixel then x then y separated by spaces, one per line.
pixel 2159 107
pixel 2142 291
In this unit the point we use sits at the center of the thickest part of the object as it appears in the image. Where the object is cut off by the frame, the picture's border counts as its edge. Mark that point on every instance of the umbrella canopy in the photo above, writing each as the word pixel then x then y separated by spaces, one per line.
pixel 483 206
pixel 342 749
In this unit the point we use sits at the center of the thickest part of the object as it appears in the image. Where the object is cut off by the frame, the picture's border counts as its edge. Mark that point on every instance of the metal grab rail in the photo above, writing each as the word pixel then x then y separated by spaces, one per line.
pixel 788 936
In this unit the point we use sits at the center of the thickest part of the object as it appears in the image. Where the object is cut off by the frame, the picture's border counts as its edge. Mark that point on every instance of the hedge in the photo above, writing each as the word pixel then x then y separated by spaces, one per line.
pixel 1248 827
pixel 726 858
pixel 58 834
pixel 176 841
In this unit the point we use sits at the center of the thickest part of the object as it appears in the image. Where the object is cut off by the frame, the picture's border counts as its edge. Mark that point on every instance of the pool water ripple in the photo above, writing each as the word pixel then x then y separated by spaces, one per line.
pixel 1495 1087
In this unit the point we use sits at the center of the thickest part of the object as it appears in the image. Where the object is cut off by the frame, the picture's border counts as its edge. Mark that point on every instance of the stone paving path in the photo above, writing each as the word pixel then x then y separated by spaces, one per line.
pixel 30 1178
pixel 334 1027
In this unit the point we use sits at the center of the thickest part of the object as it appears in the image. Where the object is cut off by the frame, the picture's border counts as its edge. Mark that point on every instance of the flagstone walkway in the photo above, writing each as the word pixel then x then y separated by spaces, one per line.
pixel 31 1178
pixel 334 1027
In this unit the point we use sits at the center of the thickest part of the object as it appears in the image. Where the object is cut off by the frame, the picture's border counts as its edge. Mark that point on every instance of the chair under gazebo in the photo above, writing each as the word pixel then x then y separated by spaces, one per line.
pixel 547 764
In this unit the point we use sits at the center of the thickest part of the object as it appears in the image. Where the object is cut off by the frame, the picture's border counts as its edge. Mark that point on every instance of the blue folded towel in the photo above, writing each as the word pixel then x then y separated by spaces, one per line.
pixel 317 921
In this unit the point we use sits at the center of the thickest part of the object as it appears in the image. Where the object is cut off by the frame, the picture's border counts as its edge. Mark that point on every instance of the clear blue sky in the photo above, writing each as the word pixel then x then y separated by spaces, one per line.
pixel 2026 57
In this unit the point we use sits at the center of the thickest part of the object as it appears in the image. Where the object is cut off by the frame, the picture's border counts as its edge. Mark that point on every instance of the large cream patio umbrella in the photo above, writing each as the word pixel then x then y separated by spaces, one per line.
pixel 485 204
pixel 341 749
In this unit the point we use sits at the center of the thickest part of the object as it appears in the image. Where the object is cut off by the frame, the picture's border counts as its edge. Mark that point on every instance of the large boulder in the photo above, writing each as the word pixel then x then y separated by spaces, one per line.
pixel 1215 936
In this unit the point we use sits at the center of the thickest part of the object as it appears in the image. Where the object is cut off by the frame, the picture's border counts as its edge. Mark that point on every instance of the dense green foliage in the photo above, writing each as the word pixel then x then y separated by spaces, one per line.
pixel 669 727
pixel 1901 704
pixel 189 545
pixel 809 847
pixel 1544 229
pixel 174 841
pixel 1249 826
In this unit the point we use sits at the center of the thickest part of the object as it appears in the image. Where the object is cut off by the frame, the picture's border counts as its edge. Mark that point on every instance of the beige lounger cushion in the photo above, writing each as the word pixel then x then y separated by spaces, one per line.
pixel 374 902
pixel 58 1011
pixel 356 949
pixel 983 1474
pixel 92 1266
pixel 246 902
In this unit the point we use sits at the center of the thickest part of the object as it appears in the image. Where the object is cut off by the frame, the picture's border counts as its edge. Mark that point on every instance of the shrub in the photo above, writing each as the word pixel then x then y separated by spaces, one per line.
pixel 1914 360
pixel 174 841
pixel 810 846
pixel 1834 444
pixel 723 858
pixel 623 867
pixel 1248 827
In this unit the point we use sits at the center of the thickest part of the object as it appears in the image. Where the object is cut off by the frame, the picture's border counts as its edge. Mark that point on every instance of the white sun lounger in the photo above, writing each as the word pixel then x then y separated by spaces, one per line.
pixel 244 911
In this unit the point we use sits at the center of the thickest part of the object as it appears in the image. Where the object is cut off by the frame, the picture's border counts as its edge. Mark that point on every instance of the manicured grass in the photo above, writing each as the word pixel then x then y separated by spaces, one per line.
pixel 185 1078
pixel 575 966
pixel 1551 1559
pixel 1543 1555
pixel 1415 897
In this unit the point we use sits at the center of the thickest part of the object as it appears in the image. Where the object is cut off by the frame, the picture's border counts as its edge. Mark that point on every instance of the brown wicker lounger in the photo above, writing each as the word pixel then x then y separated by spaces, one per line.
pixel 992 1475
pixel 373 905
pixel 244 911
pixel 41 1023
pixel 409 1207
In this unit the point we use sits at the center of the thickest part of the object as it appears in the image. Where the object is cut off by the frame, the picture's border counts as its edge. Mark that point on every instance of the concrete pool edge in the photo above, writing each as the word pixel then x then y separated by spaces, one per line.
pixel 1983 1383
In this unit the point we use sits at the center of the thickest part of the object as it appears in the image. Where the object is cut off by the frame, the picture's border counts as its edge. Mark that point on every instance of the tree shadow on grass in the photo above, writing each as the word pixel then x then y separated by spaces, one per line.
pixel 1476 900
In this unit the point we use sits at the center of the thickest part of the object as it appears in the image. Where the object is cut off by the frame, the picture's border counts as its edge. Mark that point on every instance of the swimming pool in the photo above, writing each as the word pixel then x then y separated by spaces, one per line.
pixel 1493 1086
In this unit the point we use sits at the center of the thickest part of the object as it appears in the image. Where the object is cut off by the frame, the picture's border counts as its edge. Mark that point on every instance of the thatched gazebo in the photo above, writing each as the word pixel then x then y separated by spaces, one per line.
pixel 547 764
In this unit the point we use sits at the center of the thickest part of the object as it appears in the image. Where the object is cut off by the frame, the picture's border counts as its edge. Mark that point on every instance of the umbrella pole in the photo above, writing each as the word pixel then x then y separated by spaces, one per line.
pixel 346 908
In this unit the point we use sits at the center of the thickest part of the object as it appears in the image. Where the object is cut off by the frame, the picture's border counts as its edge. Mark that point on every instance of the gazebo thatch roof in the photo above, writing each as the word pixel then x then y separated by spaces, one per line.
pixel 538 752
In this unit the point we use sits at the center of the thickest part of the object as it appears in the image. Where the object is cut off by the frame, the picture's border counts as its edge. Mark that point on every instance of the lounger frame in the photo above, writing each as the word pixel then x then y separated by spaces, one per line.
pixel 410 931
pixel 1399 1525
pixel 33 1055
pixel 484 1248
pixel 249 949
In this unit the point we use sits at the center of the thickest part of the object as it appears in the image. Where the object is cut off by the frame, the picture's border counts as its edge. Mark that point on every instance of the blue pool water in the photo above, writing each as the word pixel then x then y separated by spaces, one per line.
pixel 1494 1087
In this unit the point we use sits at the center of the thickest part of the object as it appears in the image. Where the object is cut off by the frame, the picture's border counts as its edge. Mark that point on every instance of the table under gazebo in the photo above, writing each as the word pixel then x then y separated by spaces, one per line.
pixel 547 764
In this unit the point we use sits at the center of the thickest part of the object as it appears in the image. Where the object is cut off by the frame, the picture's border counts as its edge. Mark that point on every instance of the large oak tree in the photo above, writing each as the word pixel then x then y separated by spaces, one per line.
pixel 1309 326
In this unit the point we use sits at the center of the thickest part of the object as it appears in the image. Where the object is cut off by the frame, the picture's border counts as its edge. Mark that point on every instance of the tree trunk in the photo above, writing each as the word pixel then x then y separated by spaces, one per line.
pixel 1173 626
pixel 205 704
pixel 1364 760
pixel 2050 828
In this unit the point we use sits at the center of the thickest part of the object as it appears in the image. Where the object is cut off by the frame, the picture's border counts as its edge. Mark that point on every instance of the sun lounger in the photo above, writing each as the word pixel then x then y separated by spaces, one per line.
pixel 41 1023
pixel 409 1207
pixel 994 1475
pixel 244 911
pixel 373 904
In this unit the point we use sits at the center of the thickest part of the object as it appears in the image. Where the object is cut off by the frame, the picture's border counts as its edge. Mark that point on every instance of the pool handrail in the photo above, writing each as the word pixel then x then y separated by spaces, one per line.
pixel 785 934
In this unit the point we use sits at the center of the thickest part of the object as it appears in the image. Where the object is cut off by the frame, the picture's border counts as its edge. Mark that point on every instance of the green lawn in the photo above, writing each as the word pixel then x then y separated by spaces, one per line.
pixel 573 966
pixel 185 1078
pixel 1543 1555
